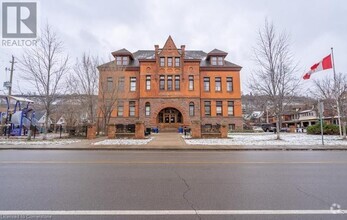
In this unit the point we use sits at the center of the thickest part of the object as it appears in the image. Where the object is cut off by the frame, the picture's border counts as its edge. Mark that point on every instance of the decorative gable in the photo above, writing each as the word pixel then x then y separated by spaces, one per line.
pixel 169 49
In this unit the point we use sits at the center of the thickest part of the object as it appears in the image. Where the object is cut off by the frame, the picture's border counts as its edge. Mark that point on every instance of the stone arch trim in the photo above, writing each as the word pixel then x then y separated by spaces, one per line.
pixel 180 109
pixel 171 104
pixel 157 105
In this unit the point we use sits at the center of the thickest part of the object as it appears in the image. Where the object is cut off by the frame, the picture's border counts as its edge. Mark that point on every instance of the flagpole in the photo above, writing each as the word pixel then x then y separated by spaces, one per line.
pixel 337 99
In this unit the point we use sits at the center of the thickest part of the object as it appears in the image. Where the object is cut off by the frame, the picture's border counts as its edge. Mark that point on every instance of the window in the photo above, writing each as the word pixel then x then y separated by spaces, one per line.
pixel 220 61
pixel 229 84
pixel 125 61
pixel 218 84
pixel 177 82
pixel 162 61
pixel 191 109
pixel 119 61
pixel 191 83
pixel 120 108
pixel 219 108
pixel 214 61
pixel 169 61
pixel 122 60
pixel 230 108
pixel 169 82
pixel 177 61
pixel 132 84
pixel 148 109
pixel 206 84
pixel 148 82
pixel 231 127
pixel 109 84
pixel 108 104
pixel 162 82
pixel 131 108
pixel 121 83
pixel 207 108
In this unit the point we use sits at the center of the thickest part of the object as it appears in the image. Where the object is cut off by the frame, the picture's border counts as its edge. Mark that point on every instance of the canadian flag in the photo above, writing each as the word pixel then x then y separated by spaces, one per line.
pixel 322 65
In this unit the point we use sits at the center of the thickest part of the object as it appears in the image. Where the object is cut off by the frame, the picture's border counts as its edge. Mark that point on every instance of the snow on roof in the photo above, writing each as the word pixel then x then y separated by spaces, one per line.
pixel 21 99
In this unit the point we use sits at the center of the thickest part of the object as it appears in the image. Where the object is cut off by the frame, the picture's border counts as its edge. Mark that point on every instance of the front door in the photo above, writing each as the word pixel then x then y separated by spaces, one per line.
pixel 169 117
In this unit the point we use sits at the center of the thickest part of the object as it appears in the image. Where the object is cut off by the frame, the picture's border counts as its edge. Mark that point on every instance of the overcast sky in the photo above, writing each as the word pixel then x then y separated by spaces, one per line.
pixel 100 27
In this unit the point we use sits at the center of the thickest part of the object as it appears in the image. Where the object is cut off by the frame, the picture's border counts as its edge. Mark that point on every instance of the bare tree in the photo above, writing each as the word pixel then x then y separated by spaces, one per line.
pixel 110 89
pixel 335 89
pixel 275 76
pixel 44 66
pixel 84 82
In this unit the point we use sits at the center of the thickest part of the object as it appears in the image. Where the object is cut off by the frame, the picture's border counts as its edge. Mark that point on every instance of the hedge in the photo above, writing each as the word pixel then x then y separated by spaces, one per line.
pixel 327 129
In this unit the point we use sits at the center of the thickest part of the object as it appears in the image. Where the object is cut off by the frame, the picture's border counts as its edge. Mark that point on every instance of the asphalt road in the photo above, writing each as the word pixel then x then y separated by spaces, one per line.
pixel 160 185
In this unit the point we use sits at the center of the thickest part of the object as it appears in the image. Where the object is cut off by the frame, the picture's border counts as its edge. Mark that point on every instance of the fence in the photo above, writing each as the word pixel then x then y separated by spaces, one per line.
pixel 210 131
pixel 125 130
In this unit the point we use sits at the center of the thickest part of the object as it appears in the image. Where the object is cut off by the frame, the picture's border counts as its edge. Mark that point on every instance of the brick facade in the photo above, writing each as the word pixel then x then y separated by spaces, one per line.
pixel 160 87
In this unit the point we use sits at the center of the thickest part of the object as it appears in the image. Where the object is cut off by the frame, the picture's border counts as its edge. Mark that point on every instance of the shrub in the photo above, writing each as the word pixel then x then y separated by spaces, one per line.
pixel 327 129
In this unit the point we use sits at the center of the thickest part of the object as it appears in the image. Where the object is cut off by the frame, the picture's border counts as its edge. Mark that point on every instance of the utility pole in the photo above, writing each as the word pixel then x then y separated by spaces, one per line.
pixel 8 116
pixel 11 75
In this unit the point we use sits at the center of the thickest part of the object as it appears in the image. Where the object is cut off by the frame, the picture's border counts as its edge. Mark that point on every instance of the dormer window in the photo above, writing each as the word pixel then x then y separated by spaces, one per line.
pixel 220 61
pixel 217 61
pixel 214 61
pixel 122 60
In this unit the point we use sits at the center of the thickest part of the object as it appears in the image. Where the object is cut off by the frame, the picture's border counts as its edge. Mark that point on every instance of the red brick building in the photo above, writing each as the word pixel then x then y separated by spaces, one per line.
pixel 170 87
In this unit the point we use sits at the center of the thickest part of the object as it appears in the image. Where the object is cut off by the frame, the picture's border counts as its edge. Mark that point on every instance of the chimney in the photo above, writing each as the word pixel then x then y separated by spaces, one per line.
pixel 183 47
pixel 156 51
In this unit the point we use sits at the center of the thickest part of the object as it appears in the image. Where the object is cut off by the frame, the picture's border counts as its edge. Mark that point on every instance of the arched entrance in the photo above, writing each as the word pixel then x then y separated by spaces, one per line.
pixel 169 118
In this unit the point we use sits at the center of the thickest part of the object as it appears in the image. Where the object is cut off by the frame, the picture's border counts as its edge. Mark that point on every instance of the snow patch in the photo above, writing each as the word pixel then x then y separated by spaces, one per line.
pixel 269 139
pixel 52 142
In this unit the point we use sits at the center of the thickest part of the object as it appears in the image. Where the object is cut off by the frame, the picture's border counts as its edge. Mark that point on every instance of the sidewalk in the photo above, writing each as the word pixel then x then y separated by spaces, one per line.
pixel 163 139
pixel 168 141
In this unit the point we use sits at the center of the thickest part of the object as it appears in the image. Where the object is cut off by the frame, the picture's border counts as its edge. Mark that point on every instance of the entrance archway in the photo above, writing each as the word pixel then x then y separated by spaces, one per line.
pixel 169 118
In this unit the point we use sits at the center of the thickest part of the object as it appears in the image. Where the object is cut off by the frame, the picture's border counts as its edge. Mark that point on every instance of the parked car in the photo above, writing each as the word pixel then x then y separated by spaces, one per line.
pixel 268 127
pixel 285 129
pixel 257 129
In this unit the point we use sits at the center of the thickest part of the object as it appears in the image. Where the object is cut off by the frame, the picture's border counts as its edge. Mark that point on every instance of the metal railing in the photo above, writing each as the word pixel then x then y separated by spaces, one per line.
pixel 208 128
pixel 125 128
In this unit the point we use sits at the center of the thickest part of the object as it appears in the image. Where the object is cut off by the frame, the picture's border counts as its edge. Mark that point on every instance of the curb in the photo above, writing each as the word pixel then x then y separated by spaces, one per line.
pixel 167 148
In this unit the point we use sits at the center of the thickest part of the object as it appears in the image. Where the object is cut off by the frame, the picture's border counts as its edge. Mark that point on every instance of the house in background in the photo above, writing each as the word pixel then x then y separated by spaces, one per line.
pixel 256 117
pixel 60 123
pixel 40 117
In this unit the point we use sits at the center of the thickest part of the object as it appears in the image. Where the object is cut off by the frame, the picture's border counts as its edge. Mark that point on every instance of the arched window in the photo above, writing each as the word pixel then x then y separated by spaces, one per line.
pixel 191 109
pixel 148 109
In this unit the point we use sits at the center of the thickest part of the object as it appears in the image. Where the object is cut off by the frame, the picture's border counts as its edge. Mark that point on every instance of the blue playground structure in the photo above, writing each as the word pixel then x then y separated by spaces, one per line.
pixel 20 119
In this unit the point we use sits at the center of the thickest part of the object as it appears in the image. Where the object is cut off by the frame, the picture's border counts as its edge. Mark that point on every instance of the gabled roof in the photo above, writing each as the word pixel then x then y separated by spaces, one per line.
pixel 217 52
pixel 122 52
pixel 39 114
pixel 190 55
pixel 169 44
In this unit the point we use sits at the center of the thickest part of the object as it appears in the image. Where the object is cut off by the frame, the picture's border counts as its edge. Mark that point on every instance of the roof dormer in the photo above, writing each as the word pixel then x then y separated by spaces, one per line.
pixel 122 57
pixel 216 57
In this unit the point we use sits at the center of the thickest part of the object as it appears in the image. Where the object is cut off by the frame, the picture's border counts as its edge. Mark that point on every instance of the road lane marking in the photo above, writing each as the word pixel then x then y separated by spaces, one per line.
pixel 171 212
pixel 166 162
